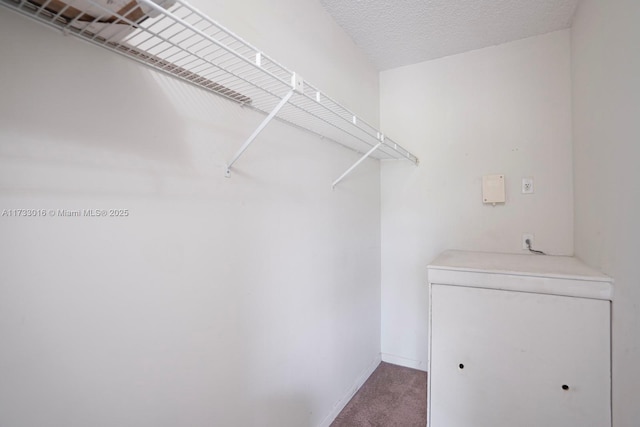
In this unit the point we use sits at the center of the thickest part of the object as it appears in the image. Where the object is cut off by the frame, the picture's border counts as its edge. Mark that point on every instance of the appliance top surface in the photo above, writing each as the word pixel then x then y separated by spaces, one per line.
pixel 519 264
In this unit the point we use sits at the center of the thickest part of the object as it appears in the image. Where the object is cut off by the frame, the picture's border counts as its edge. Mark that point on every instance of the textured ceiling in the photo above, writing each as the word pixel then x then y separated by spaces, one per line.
pixel 401 32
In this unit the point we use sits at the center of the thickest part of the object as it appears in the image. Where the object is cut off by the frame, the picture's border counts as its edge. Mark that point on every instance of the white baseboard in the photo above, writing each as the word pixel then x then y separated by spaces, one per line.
pixel 356 386
pixel 403 361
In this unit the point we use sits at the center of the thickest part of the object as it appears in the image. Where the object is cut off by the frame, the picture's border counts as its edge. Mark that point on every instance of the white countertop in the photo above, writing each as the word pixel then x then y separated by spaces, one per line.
pixel 557 275
pixel 525 264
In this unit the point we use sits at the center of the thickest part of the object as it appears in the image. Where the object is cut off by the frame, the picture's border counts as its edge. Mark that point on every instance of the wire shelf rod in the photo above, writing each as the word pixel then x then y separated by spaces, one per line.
pixel 185 43
pixel 44 5
pixel 168 13
pixel 341 129
pixel 203 59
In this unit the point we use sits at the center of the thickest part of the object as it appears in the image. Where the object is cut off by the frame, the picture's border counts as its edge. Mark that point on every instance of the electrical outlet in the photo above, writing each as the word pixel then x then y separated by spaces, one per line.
pixel 527 185
pixel 526 237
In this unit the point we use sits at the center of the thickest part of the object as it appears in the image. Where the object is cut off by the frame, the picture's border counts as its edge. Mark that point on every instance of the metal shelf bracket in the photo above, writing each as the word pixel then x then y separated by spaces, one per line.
pixel 355 165
pixel 256 132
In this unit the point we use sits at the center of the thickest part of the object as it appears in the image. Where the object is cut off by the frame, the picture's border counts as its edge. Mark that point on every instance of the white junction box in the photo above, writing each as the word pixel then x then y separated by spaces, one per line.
pixel 493 189
pixel 518 340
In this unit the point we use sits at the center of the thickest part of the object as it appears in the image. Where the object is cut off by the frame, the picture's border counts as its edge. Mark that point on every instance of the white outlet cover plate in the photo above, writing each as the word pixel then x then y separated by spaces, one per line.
pixel 527 185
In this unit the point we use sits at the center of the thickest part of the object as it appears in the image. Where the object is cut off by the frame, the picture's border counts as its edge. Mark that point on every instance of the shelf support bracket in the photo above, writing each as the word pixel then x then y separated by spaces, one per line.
pixel 259 129
pixel 355 165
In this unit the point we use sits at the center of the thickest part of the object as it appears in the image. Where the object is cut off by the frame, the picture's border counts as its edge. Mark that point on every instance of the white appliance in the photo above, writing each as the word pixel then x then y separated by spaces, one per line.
pixel 518 340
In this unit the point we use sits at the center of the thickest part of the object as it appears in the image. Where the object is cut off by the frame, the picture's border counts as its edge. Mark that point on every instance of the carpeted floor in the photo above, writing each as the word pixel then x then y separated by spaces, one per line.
pixel 392 396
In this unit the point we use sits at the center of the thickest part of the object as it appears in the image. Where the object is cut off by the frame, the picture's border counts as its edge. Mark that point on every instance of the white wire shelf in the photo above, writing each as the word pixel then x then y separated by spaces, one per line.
pixel 175 38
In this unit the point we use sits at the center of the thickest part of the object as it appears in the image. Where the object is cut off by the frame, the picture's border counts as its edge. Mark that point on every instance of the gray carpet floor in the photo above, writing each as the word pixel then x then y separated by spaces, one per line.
pixel 393 396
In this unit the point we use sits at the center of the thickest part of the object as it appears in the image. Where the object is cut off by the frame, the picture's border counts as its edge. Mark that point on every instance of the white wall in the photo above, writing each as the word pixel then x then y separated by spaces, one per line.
pixel 504 109
pixel 606 100
pixel 246 301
